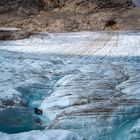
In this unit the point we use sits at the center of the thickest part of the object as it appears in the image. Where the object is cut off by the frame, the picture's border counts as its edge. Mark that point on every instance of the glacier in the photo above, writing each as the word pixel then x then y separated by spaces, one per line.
pixel 86 83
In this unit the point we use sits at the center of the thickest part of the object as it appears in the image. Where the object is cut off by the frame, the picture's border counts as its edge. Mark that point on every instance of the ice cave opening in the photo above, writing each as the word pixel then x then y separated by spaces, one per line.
pixel 27 116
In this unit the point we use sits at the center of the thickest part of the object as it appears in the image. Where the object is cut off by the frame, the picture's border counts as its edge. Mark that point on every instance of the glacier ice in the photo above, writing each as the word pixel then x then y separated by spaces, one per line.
pixel 42 135
pixel 87 85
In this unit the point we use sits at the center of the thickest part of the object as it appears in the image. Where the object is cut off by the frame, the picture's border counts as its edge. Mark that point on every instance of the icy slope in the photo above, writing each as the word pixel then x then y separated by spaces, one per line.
pixel 84 43
pixel 87 83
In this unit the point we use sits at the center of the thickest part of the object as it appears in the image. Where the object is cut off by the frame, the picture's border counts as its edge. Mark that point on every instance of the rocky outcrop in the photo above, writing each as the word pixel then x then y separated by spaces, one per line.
pixel 13 33
pixel 69 15
pixel 52 4
pixel 21 7
pixel 86 6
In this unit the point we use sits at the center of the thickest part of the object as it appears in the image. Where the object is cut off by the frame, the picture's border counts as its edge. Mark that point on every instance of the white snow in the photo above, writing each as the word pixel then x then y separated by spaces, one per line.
pixel 84 43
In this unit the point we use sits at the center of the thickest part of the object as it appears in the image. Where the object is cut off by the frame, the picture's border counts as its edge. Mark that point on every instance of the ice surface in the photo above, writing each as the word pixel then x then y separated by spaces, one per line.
pixel 42 135
pixel 87 83
pixel 84 43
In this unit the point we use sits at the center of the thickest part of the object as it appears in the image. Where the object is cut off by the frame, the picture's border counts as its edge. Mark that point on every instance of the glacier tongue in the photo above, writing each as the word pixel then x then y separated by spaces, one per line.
pixel 86 83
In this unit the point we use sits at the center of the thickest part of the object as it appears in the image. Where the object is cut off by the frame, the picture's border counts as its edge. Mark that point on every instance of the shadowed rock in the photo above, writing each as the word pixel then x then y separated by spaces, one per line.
pixel 13 33
pixel 38 111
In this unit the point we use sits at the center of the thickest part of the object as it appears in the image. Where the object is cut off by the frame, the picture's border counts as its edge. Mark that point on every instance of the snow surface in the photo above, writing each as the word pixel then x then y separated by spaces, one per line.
pixel 86 43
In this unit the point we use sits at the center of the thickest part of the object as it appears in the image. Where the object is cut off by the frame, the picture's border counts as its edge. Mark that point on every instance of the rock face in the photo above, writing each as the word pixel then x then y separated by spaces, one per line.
pixel 69 15
pixel 87 83
pixel 13 34
pixel 20 7
pixel 52 4
pixel 81 5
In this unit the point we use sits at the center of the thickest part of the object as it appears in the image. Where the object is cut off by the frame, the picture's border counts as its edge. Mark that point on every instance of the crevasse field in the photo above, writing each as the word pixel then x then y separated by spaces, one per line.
pixel 87 84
